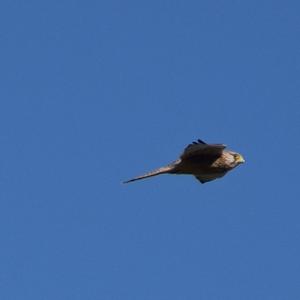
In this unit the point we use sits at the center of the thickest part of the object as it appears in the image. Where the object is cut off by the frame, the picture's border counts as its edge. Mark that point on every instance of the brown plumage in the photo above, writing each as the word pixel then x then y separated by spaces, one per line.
pixel 205 161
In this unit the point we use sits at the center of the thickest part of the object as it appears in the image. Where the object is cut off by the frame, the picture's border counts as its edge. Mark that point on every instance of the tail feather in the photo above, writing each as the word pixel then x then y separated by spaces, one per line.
pixel 162 170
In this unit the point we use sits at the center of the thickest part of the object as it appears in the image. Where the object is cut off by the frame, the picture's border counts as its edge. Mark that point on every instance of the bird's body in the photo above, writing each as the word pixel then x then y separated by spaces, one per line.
pixel 205 161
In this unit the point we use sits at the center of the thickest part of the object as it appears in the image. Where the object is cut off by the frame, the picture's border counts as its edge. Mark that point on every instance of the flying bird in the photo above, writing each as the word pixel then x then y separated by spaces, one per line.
pixel 206 162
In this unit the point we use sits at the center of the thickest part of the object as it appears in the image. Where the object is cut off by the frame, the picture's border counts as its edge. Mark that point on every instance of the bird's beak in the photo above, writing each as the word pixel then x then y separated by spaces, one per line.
pixel 240 159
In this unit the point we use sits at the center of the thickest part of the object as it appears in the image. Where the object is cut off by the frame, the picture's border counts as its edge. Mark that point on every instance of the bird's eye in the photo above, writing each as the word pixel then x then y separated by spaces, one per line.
pixel 236 156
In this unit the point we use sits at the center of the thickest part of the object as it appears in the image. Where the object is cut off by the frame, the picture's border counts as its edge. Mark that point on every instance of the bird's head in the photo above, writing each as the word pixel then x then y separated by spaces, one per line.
pixel 234 159
pixel 238 158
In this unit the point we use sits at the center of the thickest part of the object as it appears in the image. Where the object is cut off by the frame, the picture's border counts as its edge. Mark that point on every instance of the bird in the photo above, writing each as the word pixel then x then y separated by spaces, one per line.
pixel 206 162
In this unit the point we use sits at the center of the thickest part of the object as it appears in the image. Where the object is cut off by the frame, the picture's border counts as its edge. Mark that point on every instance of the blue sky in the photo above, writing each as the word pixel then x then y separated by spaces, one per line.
pixel 95 92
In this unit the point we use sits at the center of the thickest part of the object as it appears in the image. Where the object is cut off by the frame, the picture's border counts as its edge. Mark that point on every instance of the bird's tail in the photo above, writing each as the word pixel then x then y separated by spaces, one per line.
pixel 162 170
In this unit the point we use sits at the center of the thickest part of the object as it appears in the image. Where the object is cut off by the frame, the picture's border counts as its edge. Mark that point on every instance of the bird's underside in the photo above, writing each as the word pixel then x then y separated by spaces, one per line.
pixel 205 161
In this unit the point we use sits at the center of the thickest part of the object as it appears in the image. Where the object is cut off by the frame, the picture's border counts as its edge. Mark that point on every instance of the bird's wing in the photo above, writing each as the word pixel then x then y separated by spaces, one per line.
pixel 209 177
pixel 200 148
pixel 204 179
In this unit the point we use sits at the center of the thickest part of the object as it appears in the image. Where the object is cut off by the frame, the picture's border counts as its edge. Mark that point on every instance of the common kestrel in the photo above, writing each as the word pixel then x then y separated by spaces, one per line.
pixel 205 161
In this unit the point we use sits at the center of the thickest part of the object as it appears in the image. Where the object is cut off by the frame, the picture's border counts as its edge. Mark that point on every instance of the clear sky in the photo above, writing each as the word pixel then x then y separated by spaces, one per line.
pixel 95 92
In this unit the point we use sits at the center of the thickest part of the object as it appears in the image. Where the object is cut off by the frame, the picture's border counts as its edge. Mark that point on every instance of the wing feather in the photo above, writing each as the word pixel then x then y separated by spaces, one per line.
pixel 202 149
pixel 204 179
